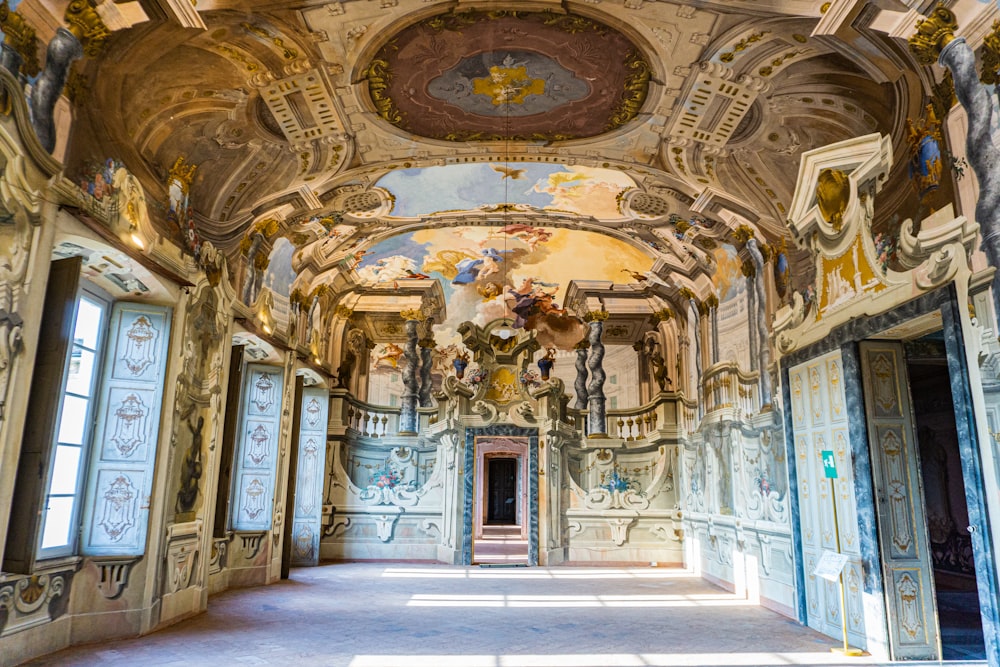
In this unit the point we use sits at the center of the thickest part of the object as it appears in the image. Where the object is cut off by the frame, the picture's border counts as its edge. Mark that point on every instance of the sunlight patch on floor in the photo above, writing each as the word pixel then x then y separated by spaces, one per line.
pixel 540 573
pixel 608 659
pixel 632 601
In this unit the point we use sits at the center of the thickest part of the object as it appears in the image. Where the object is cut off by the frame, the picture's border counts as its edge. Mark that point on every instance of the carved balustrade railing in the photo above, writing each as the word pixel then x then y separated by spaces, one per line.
pixel 379 421
pixel 633 423
pixel 668 415
pixel 725 386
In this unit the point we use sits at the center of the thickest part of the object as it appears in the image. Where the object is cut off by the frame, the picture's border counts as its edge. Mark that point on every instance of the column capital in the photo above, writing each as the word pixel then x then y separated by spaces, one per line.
pixel 412 315
pixel 661 315
pixel 933 34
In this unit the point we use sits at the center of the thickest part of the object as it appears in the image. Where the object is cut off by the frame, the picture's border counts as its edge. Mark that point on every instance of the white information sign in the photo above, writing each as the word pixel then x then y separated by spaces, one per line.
pixel 830 565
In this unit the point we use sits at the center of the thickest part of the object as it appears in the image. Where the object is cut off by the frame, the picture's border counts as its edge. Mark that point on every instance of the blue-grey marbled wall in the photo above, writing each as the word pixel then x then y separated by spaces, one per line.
pixel 470 452
pixel 975 491
pixel 845 338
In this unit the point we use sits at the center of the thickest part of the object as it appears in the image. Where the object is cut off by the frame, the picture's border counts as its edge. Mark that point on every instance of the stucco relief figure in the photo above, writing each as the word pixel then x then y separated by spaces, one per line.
pixel 191 470
pixel 935 41
pixel 660 372
pixel 346 369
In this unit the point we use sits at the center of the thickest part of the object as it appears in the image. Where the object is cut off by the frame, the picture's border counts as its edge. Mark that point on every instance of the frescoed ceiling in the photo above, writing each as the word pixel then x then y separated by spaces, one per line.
pixel 582 190
pixel 494 75
pixel 517 272
pixel 671 126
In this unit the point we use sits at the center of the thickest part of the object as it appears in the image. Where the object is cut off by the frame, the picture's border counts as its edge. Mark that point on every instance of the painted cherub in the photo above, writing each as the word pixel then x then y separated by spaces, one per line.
pixel 391 354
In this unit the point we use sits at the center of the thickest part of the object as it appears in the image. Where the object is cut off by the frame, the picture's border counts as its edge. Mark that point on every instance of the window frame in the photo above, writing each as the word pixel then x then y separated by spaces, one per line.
pixel 94 294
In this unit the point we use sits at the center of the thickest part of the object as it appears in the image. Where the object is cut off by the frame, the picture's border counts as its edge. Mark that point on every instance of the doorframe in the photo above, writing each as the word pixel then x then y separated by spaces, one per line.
pixel 845 338
pixel 470 490
pixel 488 451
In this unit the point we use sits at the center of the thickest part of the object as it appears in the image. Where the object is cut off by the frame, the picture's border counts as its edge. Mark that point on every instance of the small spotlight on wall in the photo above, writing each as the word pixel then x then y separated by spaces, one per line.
pixel 267 329
pixel 136 239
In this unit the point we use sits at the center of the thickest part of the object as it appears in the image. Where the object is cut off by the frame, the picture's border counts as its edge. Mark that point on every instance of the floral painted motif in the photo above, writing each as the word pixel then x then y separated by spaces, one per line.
pixel 618 482
pixel 314 412
pixel 885 250
pixel 763 483
pixel 386 476
pixel 530 378
pixel 477 377
pixel 254 503
pixel 260 438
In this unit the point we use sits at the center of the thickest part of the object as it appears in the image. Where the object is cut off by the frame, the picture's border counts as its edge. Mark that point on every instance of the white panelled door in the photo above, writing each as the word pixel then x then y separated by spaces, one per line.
pixel 899 501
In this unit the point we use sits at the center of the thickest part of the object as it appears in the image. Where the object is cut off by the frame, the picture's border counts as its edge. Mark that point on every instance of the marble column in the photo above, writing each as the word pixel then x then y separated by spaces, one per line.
pixel 683 349
pixel 596 417
pixel 759 321
pixel 63 50
pixel 426 361
pixel 408 418
pixel 750 272
pixel 580 385
pixel 713 327
pixel 935 40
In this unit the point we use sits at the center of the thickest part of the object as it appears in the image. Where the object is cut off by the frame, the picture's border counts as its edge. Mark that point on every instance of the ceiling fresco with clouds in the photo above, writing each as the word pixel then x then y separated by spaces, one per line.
pixel 515 271
pixel 461 187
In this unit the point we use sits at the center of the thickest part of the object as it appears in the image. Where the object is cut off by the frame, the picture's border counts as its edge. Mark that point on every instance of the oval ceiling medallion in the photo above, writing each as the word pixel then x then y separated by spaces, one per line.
pixel 478 75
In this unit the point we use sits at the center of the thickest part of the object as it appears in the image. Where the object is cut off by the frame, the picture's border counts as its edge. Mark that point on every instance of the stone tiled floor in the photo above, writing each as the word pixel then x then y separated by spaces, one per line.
pixel 368 615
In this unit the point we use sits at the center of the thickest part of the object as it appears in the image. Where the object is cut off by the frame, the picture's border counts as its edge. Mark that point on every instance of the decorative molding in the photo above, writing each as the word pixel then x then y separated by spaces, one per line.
pixel 28 600
pixel 250 542
pixel 183 550
pixel 384 524
pixel 619 529
pixel 114 574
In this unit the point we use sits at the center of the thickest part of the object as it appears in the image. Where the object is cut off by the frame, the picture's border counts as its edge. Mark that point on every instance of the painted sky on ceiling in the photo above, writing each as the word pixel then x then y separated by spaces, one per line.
pixel 516 271
pixel 461 187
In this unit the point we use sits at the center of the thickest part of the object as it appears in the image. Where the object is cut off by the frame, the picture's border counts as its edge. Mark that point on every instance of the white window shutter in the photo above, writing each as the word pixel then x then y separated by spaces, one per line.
pixel 257 452
pixel 123 453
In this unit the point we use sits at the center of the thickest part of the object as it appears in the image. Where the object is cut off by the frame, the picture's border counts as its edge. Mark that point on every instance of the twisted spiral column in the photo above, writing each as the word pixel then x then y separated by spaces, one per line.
pixel 580 385
pixel 596 417
pixel 408 412
pixel 426 360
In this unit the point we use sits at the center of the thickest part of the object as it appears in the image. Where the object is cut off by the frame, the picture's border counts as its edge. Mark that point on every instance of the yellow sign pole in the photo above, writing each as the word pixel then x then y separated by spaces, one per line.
pixel 847 650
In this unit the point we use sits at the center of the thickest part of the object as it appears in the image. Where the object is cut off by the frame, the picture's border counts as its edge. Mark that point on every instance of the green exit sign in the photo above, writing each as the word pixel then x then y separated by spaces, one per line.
pixel 829 464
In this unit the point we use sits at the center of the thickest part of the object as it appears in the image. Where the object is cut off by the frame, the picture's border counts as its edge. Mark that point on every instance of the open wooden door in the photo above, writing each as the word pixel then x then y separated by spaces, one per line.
pixel 899 502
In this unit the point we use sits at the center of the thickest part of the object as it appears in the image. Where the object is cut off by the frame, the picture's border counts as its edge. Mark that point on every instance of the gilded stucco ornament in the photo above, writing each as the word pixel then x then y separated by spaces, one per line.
pixel 86 25
pixel 990 72
pixel 412 314
pixel 833 192
pixel 19 36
